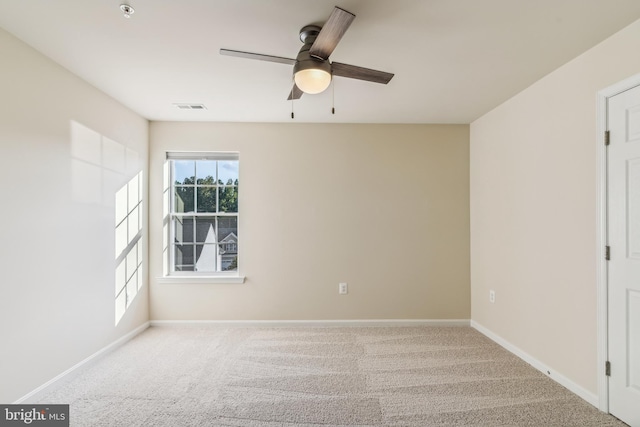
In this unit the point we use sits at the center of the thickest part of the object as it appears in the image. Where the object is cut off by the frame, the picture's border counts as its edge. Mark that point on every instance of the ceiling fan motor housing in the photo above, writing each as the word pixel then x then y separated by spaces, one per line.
pixel 304 60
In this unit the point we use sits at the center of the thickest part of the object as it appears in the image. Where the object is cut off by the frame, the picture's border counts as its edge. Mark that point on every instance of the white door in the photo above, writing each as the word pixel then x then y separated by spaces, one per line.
pixel 623 187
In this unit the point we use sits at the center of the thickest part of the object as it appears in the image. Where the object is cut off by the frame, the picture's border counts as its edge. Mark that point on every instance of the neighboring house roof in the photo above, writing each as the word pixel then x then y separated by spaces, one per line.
pixel 230 238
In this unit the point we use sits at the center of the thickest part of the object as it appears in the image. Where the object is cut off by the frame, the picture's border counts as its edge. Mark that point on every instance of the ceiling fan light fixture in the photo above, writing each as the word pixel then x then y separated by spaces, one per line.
pixel 312 80
pixel 312 76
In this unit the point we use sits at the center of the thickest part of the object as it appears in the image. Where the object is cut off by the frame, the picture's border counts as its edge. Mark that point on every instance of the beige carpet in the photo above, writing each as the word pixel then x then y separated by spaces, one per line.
pixel 346 376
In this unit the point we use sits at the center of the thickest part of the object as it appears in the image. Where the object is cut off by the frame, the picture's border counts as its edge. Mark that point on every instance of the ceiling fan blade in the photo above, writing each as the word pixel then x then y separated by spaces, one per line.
pixel 331 33
pixel 259 56
pixel 360 73
pixel 295 93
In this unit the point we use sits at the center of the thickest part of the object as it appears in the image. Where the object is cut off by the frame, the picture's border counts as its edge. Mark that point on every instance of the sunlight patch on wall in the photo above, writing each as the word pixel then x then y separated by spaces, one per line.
pixel 128 244
pixel 99 165
pixel 100 170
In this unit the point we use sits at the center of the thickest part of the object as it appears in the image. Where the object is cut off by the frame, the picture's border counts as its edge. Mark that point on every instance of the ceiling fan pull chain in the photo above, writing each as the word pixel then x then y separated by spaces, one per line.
pixel 292 115
pixel 333 97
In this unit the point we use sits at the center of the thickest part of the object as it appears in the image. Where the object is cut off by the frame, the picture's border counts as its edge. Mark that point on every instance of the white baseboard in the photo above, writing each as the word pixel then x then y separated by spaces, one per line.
pixel 557 377
pixel 313 323
pixel 34 395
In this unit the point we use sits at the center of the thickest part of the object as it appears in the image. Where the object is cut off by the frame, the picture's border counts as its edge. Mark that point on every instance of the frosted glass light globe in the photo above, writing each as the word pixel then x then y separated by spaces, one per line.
pixel 312 80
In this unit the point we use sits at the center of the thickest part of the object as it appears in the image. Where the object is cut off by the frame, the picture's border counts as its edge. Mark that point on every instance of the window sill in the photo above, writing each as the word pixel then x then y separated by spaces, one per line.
pixel 200 280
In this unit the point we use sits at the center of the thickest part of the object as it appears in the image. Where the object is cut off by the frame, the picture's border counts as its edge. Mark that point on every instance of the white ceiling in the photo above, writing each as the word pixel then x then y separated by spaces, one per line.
pixel 453 60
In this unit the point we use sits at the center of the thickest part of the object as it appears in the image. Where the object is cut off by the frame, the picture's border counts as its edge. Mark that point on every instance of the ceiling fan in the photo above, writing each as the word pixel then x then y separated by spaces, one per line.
pixel 312 70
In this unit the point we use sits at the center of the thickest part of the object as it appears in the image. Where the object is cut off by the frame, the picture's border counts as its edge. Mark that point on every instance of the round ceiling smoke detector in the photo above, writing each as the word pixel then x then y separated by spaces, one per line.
pixel 127 10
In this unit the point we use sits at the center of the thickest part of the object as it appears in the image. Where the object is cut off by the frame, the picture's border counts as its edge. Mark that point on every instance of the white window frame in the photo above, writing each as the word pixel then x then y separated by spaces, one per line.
pixel 179 277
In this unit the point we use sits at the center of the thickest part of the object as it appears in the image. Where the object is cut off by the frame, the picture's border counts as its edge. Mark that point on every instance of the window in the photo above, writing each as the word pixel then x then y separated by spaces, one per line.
pixel 202 220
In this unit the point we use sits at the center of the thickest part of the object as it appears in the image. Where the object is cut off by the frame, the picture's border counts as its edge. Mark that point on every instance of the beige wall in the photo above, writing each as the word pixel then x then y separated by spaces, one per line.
pixel 533 211
pixel 382 207
pixel 57 303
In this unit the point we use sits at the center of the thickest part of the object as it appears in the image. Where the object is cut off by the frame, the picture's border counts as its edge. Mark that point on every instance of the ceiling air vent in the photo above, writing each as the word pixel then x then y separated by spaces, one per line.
pixel 190 106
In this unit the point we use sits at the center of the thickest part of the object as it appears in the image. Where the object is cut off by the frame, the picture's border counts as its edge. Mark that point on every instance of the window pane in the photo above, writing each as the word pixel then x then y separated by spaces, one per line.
pixel 206 170
pixel 184 257
pixel 228 171
pixel 206 230
pixel 228 199
pixel 207 199
pixel 228 231
pixel 208 180
pixel 229 263
pixel 183 199
pixel 184 171
pixel 208 256
pixel 226 226
pixel 183 229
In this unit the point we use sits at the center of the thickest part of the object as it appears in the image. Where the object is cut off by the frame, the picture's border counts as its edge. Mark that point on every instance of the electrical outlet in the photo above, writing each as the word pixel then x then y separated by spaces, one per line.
pixel 492 296
pixel 343 288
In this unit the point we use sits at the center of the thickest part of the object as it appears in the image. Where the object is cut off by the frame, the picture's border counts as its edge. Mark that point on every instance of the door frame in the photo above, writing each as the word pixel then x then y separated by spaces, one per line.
pixel 601 233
